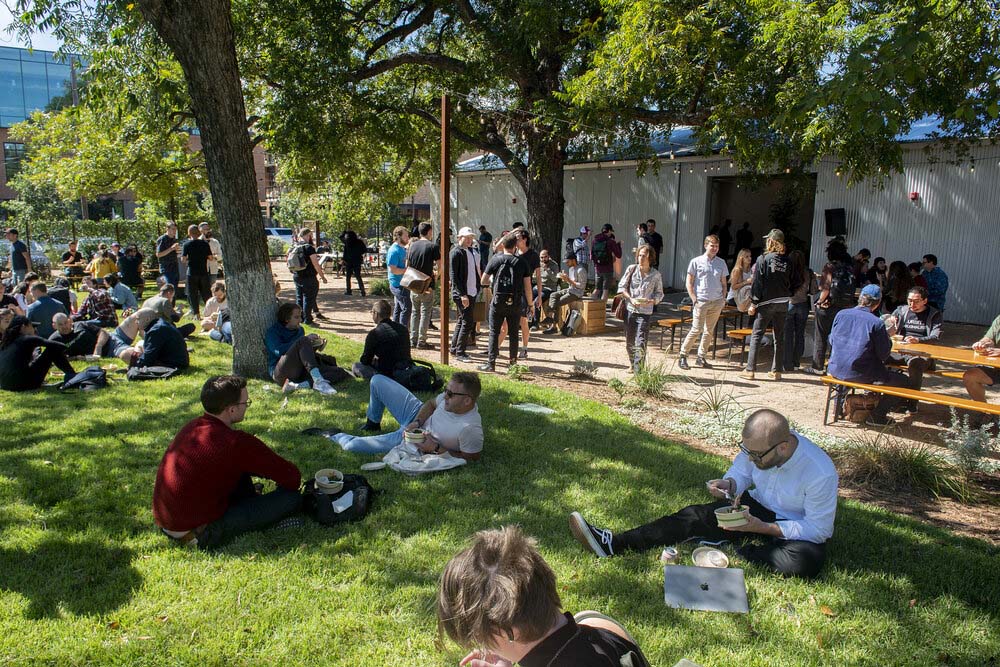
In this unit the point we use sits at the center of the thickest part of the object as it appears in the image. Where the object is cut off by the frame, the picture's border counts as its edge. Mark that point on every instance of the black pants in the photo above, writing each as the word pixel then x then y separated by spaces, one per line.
pixel 301 358
pixel 504 308
pixel 887 404
pixel 915 368
pixel 796 558
pixel 306 293
pixel 33 375
pixel 821 334
pixel 772 315
pixel 249 512
pixel 199 289
pixel 354 271
pixel 465 325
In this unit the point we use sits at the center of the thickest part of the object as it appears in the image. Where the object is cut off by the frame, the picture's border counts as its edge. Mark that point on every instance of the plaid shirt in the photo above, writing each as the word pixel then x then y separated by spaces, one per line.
pixel 98 306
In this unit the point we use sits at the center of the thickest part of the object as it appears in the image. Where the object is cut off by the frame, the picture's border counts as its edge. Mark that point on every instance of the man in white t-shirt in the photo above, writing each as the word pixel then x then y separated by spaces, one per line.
pixel 706 285
pixel 450 419
pixel 576 277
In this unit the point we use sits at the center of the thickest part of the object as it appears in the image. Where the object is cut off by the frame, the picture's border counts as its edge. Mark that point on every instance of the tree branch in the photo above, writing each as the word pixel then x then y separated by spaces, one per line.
pixel 425 16
pixel 435 60
pixel 655 117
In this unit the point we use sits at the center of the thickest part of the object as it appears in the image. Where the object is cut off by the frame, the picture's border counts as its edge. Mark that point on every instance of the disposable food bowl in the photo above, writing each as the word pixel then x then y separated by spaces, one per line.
pixel 329 480
pixel 729 517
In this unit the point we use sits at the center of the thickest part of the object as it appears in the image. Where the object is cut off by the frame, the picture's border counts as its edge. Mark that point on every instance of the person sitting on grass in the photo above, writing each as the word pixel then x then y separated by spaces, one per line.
pixel 451 419
pixel 121 296
pixel 386 346
pixel 165 309
pixel 64 294
pixel 789 485
pixel 214 306
pixel 576 277
pixel 97 307
pixel 292 356
pixel 20 368
pixel 499 598
pixel 42 308
pixel 977 379
pixel 6 315
pixel 86 339
pixel 102 264
pixel 164 345
pixel 168 292
pixel 204 493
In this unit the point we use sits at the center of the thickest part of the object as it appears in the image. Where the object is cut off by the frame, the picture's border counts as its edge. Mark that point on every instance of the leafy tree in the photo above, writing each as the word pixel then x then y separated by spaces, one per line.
pixel 782 82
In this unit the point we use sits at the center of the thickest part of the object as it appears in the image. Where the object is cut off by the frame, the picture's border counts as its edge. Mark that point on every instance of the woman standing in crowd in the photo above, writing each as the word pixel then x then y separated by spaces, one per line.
pixel 20 369
pixel 798 310
pixel 742 275
pixel 772 288
pixel 899 284
pixel 642 288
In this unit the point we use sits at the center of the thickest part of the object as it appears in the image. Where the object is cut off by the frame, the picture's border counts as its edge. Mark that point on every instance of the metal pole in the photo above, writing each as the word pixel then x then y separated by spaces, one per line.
pixel 76 102
pixel 445 226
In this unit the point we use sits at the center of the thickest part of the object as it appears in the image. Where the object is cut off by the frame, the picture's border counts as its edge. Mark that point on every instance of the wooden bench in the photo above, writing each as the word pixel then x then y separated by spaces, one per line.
pixel 837 387
pixel 741 335
pixel 671 323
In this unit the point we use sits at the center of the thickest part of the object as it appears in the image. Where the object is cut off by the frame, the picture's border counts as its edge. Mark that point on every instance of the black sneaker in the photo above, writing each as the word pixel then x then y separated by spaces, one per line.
pixel 551 330
pixel 597 540
pixel 682 363
pixel 321 316
pixel 700 362
pixel 464 358
pixel 879 421
pixel 814 371
pixel 487 367
pixel 371 427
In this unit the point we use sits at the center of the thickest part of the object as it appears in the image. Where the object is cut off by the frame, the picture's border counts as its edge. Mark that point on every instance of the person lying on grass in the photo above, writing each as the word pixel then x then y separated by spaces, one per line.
pixel 204 494
pixel 787 482
pixel 499 598
pixel 450 421
pixel 86 339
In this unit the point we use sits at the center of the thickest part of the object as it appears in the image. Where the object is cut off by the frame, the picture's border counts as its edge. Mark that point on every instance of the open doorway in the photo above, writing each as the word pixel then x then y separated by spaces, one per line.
pixel 785 202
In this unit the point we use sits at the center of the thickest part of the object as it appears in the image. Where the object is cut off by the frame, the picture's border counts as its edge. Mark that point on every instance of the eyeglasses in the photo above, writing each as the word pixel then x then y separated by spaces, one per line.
pixel 758 456
pixel 247 402
pixel 448 393
pixel 914 300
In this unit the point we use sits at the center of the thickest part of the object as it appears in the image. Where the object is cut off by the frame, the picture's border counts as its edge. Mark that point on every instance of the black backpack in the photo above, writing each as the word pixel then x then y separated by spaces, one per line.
pixel 842 285
pixel 417 375
pixel 151 372
pixel 89 379
pixel 319 505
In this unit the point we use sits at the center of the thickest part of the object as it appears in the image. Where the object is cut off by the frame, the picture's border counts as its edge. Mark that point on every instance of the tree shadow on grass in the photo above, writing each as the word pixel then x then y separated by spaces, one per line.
pixel 83 577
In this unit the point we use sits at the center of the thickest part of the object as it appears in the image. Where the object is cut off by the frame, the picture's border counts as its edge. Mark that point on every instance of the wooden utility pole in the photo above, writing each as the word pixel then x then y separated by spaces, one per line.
pixel 445 228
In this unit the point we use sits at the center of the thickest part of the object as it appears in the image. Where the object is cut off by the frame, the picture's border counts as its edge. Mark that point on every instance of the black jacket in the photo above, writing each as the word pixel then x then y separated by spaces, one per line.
pixel 165 346
pixel 772 279
pixel 385 346
pixel 458 261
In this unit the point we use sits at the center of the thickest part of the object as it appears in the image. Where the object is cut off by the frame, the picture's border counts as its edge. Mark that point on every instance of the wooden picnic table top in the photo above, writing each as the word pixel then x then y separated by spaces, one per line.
pixel 726 310
pixel 944 353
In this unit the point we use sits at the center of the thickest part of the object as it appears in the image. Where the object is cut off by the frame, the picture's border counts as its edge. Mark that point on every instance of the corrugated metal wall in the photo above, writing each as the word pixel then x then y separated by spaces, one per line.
pixel 957 216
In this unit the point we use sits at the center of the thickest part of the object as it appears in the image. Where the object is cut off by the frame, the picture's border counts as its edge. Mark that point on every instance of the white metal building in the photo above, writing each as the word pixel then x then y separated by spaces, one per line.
pixel 955 213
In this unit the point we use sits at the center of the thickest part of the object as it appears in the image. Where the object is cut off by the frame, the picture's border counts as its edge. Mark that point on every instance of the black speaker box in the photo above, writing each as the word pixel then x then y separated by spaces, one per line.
pixel 836 222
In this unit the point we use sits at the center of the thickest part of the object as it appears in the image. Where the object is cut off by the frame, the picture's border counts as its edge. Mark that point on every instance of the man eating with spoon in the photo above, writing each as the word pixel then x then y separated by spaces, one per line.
pixel 789 486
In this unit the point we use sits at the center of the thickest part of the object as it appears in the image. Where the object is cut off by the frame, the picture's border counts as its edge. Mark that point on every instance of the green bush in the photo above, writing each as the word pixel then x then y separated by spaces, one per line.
pixel 517 372
pixel 652 380
pixel 379 287
pixel 276 247
pixel 969 444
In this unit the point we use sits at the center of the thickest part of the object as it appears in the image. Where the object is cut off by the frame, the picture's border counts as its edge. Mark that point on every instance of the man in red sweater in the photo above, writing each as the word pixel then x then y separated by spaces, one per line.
pixel 204 494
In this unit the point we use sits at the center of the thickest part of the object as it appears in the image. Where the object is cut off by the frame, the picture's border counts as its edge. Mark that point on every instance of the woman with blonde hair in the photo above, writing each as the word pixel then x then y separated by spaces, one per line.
pixel 772 288
pixel 740 276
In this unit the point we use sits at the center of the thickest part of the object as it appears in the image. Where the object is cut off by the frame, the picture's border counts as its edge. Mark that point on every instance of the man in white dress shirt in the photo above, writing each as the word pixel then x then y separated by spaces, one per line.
pixel 789 485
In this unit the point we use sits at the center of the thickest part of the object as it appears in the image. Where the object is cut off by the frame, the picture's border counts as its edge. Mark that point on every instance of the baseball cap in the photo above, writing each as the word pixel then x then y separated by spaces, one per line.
pixel 116 243
pixel 585 230
pixel 775 235
pixel 872 291
pixel 466 231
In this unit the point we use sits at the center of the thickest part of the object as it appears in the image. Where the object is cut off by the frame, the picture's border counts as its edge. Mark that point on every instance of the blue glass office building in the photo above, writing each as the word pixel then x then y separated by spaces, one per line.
pixel 29 80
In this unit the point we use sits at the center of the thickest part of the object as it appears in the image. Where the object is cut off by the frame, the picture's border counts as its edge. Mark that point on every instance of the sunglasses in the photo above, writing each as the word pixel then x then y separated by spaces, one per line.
pixel 758 456
pixel 448 393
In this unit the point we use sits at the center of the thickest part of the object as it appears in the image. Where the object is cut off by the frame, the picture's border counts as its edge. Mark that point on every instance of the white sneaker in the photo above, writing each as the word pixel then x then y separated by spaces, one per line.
pixel 290 386
pixel 324 387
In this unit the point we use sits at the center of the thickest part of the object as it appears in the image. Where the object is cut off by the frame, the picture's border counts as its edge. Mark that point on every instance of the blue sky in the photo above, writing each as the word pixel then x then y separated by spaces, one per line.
pixel 40 40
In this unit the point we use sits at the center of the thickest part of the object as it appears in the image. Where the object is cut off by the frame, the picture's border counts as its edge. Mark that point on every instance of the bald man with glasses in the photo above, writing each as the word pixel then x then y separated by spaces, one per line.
pixel 789 485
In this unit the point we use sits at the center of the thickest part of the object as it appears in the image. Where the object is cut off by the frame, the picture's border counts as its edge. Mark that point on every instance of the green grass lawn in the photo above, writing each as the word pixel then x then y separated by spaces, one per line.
pixel 85 579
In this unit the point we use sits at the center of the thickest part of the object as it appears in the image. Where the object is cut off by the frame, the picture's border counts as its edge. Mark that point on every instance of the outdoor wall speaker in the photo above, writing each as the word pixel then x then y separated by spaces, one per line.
pixel 836 222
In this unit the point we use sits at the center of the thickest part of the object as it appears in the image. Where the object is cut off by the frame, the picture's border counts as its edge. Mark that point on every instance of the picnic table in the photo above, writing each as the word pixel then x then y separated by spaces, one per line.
pixel 958 355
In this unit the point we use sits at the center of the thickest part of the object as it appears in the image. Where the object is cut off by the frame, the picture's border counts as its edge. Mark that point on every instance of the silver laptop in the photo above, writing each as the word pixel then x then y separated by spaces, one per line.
pixel 705 588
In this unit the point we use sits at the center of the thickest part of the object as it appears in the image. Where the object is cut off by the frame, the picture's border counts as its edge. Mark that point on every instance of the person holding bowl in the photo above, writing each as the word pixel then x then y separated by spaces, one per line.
pixel 788 485
pixel 642 287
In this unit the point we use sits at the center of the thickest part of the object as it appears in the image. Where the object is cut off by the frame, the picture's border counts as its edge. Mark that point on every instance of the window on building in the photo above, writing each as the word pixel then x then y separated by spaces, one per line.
pixel 12 156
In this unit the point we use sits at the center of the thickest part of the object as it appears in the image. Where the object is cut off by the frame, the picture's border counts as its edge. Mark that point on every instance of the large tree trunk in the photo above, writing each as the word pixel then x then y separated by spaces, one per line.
pixel 200 34
pixel 545 200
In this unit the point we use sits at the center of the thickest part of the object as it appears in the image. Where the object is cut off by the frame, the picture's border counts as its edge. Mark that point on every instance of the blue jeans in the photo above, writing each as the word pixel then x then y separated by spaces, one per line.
pixel 795 334
pixel 172 276
pixel 402 307
pixel 383 393
pixel 223 334
pixel 19 275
